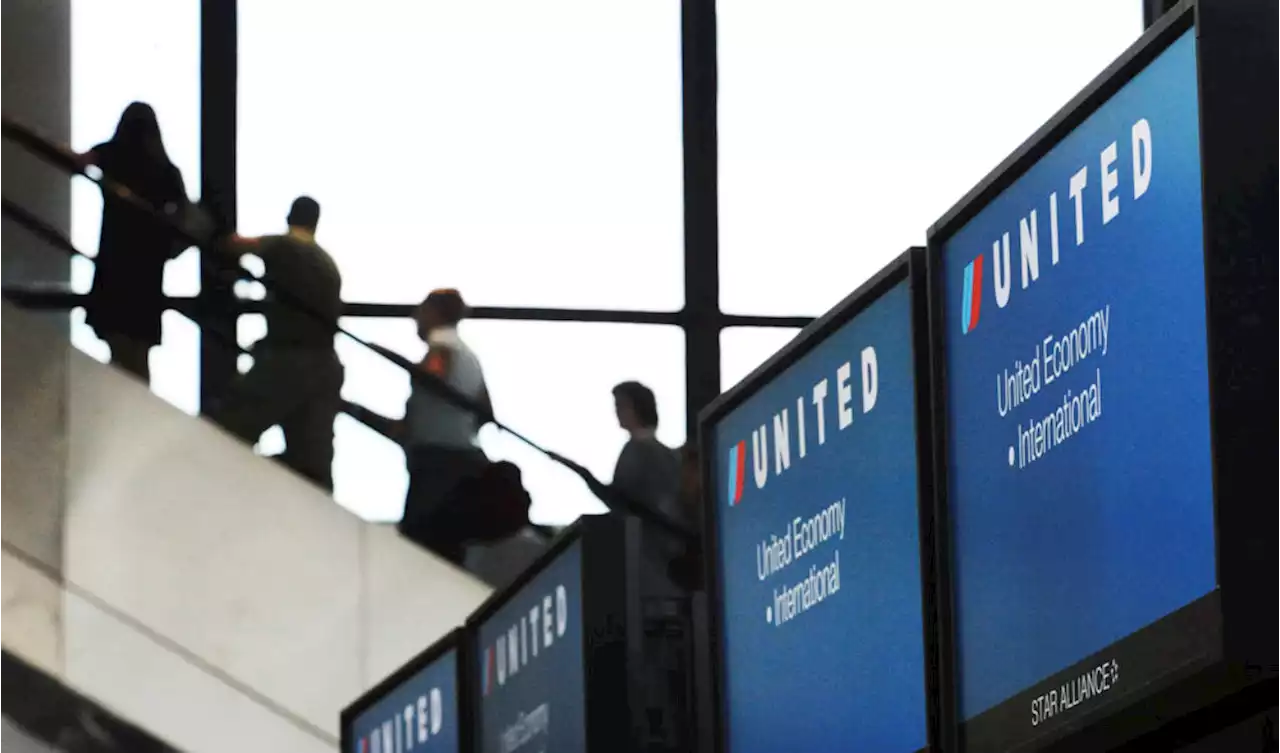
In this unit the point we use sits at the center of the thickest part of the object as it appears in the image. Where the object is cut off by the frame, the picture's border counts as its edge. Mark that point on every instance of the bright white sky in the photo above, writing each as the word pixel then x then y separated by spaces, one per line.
pixel 530 155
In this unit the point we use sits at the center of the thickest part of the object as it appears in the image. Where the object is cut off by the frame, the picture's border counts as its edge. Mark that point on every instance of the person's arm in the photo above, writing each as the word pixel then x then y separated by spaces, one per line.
pixel 91 157
pixel 486 404
pixel 627 471
pixel 240 245
pixel 191 227
pixel 235 246
pixel 391 428
pixel 602 491
pixel 438 362
pixel 175 194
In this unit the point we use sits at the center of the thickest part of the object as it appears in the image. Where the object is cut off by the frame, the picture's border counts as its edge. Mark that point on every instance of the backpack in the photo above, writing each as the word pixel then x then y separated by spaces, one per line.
pixel 494 502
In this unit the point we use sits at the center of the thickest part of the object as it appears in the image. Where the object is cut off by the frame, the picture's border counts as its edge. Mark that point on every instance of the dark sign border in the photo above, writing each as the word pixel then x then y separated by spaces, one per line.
pixel 909 266
pixel 611 629
pixel 392 682
pixel 1236 625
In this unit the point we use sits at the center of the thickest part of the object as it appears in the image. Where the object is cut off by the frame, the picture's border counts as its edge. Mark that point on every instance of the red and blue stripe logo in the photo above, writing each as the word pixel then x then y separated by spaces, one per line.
pixel 971 305
pixel 737 471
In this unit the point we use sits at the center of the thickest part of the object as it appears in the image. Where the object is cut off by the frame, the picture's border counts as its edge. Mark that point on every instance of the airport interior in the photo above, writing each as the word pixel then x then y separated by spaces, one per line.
pixel 615 376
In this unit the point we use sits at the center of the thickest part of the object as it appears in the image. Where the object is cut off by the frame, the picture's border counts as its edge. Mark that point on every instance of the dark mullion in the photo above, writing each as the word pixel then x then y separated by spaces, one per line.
pixel 741 320
pixel 374 310
pixel 59 298
pixel 54 298
pixel 617 316
pixel 218 96
pixel 1152 10
pixel 701 317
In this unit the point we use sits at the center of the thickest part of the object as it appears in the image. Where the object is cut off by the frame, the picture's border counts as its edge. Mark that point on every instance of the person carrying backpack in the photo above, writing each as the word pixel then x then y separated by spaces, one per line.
pixel 456 495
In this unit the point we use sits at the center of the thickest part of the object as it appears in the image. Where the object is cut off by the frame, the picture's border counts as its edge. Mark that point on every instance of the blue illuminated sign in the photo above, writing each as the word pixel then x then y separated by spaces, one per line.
pixel 1079 466
pixel 818 547
pixel 529 665
pixel 421 714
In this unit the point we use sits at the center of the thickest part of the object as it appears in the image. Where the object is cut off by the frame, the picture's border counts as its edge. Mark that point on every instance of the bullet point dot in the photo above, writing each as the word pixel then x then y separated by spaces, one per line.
pixel 1011 456
pixel 768 614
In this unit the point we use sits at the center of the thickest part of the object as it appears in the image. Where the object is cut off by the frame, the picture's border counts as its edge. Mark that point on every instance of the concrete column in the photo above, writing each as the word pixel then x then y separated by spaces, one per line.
pixel 36 60
pixel 36 63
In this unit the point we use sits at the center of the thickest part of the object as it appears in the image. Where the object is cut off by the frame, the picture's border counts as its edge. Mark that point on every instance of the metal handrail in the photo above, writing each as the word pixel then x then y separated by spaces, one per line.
pixel 65 159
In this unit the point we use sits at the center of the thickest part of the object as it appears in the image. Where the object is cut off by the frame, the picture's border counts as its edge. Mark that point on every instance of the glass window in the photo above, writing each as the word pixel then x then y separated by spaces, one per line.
pixel 369 476
pixel 175 365
pixel 742 349
pixel 481 145
pixel 144 50
pixel 83 338
pixel 250 328
pixel 829 167
pixel 551 381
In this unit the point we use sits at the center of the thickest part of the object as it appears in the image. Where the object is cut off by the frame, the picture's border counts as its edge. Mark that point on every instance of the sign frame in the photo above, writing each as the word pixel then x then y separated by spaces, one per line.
pixel 910 267
pixel 453 640
pixel 1236 98
pixel 611 629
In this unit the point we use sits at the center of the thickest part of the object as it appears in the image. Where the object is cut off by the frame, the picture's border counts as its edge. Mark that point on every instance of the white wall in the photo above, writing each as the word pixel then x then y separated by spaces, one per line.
pixel 33 385
pixel 207 595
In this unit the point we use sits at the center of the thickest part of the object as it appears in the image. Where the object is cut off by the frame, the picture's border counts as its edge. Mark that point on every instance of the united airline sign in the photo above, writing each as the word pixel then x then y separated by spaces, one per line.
pixel 1030 237
pixel 794 428
pixel 531 637
pixel 414 725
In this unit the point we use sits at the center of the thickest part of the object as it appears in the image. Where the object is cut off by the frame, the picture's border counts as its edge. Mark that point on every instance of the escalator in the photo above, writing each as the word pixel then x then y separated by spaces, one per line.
pixel 154 564
pixel 41 715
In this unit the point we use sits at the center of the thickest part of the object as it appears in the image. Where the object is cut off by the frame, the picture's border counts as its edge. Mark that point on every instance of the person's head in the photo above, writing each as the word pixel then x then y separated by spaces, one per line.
pixel 304 215
pixel 139 131
pixel 442 308
pixel 636 407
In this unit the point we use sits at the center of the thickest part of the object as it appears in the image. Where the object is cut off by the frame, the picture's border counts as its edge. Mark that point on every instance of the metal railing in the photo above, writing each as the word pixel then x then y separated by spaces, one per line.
pixel 197 229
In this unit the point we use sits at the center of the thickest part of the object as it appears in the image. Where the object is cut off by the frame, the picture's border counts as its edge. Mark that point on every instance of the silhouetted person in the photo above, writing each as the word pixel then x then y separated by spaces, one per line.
pixel 646 478
pixel 647 472
pixel 296 379
pixel 441 440
pixel 127 299
pixel 456 496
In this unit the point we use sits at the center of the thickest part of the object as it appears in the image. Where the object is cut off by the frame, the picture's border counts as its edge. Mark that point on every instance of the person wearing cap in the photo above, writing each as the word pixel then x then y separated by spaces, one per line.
pixel 296 377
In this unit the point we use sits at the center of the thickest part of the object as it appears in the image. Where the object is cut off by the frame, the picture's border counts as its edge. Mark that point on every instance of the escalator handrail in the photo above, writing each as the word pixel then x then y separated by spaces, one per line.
pixel 66 159
pixel 54 238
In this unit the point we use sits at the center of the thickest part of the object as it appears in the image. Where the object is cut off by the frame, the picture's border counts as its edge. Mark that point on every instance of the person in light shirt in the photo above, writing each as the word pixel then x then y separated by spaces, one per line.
pixel 441 439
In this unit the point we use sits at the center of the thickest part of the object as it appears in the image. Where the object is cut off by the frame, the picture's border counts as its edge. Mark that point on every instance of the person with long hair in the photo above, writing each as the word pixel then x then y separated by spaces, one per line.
pixel 127 299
